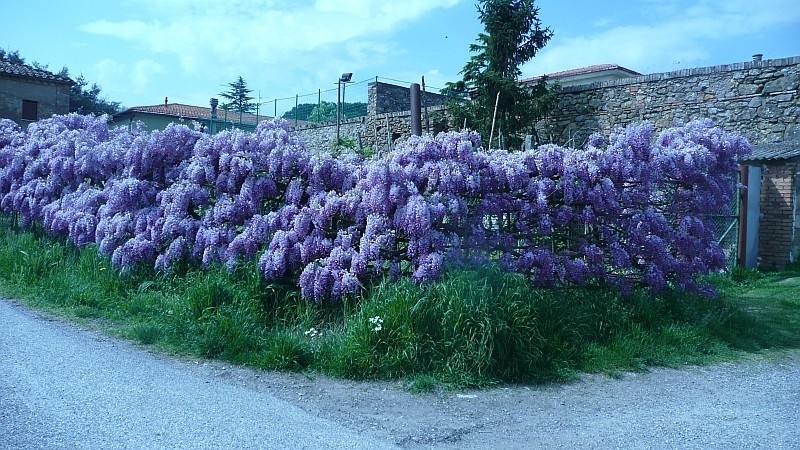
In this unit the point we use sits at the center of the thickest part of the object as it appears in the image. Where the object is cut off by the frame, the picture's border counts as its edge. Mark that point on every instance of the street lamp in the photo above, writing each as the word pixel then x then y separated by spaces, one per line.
pixel 345 78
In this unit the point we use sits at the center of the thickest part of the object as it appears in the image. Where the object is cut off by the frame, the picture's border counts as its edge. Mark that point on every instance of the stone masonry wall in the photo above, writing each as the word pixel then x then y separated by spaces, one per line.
pixel 759 99
pixel 379 132
pixel 778 233
pixel 389 98
pixel 52 98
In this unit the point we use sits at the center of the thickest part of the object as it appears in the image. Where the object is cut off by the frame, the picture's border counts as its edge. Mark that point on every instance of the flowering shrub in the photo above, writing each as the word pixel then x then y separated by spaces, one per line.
pixel 632 208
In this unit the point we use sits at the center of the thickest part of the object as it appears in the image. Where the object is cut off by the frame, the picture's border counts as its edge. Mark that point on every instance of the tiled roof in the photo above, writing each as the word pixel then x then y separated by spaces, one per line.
pixel 774 151
pixel 597 68
pixel 24 70
pixel 194 112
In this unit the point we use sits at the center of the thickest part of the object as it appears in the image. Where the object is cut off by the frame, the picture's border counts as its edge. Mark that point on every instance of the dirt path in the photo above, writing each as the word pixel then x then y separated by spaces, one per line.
pixel 130 398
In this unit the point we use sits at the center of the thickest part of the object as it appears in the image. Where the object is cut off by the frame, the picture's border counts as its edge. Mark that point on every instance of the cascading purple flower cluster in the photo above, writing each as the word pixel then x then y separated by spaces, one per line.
pixel 632 208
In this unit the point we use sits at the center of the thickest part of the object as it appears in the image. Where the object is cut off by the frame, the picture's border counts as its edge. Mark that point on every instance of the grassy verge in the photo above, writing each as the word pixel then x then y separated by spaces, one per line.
pixel 474 328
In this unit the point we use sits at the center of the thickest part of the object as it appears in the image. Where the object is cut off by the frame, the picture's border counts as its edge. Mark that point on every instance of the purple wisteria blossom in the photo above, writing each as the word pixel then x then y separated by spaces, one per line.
pixel 629 208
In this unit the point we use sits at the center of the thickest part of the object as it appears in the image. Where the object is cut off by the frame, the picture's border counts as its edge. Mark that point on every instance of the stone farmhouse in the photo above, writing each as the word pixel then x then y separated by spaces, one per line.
pixel 28 94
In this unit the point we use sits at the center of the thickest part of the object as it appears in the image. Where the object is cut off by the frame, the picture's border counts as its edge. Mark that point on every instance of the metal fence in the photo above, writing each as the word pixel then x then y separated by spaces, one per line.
pixel 726 230
pixel 320 106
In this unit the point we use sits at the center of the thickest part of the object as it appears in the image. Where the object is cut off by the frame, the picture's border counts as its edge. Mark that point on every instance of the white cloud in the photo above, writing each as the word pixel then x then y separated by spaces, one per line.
pixel 674 34
pixel 108 72
pixel 142 72
pixel 204 34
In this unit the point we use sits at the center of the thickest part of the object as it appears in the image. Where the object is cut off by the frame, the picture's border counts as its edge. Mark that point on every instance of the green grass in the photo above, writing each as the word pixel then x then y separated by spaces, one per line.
pixel 473 328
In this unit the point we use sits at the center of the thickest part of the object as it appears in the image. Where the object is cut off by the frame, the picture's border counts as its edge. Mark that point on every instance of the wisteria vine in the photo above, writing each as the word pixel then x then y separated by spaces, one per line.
pixel 630 208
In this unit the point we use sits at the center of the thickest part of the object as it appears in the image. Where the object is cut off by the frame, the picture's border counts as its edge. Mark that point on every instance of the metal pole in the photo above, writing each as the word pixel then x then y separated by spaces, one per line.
pixel 319 102
pixel 425 105
pixel 296 98
pixel 416 111
pixel 344 90
pixel 338 108
pixel 276 108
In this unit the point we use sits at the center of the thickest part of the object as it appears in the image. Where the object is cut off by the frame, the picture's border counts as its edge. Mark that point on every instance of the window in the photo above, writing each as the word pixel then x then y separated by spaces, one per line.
pixel 30 110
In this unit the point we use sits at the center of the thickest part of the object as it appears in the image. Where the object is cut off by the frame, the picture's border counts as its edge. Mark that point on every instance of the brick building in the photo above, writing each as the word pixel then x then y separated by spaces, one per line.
pixel 28 94
pixel 779 202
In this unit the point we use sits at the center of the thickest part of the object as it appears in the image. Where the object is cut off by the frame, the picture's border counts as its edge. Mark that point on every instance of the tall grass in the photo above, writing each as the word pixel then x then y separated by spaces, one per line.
pixel 475 327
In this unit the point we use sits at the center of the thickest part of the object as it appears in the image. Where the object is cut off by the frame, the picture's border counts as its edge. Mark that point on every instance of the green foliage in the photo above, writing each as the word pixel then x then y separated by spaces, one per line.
pixel 353 109
pixel 11 56
pixel 512 36
pixel 475 327
pixel 302 112
pixel 238 96
pixel 325 111
pixel 87 99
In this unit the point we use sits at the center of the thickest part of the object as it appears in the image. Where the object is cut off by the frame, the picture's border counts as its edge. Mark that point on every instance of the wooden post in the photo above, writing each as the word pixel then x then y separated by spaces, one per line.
pixel 494 116
pixel 741 257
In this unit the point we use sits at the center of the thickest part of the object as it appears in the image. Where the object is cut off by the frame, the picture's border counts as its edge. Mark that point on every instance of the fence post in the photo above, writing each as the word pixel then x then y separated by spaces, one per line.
pixel 742 244
pixel 416 110
pixel 425 105
pixel 388 135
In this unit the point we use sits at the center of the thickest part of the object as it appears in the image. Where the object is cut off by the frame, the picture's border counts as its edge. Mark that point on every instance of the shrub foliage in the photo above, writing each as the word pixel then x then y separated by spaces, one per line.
pixel 630 208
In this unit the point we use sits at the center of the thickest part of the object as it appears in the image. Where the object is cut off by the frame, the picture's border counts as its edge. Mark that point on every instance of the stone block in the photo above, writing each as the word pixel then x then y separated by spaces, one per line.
pixel 788 82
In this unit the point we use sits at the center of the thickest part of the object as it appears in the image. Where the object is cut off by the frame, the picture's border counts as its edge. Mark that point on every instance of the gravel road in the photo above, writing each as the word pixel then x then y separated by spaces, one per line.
pixel 62 386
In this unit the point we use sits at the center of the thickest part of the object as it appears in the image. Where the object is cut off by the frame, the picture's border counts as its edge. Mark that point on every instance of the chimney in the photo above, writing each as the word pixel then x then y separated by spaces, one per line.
pixel 166 100
pixel 757 57
pixel 214 102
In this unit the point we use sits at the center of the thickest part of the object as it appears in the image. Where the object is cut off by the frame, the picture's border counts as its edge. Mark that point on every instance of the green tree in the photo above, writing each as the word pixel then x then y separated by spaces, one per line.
pixel 303 111
pixel 238 97
pixel 324 112
pixel 86 99
pixel 512 36
pixel 354 109
pixel 11 56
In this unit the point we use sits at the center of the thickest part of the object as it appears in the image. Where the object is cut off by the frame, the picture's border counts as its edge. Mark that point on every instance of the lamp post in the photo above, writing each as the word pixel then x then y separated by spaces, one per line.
pixel 345 78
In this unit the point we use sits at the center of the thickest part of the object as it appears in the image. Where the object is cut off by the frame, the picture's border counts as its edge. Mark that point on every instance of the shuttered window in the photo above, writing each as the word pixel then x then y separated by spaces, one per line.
pixel 30 110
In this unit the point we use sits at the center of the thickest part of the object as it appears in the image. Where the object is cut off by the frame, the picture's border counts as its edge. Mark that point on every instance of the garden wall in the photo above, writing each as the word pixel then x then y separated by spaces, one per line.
pixel 758 99
pixel 379 132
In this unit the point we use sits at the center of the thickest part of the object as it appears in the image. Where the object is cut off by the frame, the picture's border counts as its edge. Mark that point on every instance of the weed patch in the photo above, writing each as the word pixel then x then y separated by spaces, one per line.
pixel 474 327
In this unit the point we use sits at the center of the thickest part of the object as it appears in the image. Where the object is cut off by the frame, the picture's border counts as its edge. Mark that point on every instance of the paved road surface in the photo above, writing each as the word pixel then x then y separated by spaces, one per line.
pixel 61 387
pixel 64 387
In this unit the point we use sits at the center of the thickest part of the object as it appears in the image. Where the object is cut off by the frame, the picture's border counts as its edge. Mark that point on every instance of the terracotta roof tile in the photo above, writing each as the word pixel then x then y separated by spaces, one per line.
pixel 774 151
pixel 194 112
pixel 583 71
pixel 24 70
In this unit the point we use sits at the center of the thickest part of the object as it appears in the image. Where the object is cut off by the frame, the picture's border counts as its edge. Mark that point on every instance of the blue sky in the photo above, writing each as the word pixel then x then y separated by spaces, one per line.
pixel 140 51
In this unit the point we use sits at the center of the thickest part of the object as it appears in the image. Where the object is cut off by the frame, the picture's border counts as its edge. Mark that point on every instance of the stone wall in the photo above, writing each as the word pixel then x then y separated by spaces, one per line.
pixel 386 98
pixel 52 98
pixel 379 132
pixel 759 99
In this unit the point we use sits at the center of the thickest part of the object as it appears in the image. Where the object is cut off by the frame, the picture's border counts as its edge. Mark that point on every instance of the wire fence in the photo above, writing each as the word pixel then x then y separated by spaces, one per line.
pixel 320 106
